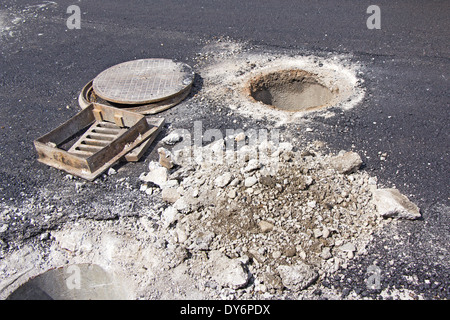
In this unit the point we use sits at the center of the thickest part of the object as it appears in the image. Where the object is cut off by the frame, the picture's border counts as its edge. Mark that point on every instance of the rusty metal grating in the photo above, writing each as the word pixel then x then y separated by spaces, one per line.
pixel 109 135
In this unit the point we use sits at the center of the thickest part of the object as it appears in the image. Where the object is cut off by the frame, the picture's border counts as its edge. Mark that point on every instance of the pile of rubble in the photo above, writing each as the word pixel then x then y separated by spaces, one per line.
pixel 275 222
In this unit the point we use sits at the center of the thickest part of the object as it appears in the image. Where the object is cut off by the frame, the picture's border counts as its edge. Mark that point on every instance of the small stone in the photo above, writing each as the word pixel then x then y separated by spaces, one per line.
pixel 3 228
pixel 325 232
pixel 111 171
pixel 276 254
pixel 348 247
pixel 181 204
pixel 290 251
pixel 166 158
pixel 158 175
pixel 232 194
pixel 172 138
pixel 239 137
pixel 317 233
pixel 223 180
pixel 195 192
pixel 326 253
pixel 202 240
pixel 250 181
pixel 169 216
pixel 235 182
pixel 181 235
pixel 265 226
pixel 170 195
pixel 297 277
pixel 44 236
pixel 311 204
pixel 79 186
pixel 302 254
pixel 252 165
pixel 229 273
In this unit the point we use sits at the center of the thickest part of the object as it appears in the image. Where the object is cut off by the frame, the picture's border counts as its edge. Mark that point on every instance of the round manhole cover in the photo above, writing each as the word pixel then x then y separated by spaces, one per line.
pixel 143 81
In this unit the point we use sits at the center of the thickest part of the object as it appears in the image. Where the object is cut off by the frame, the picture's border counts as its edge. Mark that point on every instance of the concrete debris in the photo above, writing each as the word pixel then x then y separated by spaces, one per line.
pixel 229 273
pixel 391 203
pixel 247 225
pixel 172 139
pixel 297 277
pixel 166 158
pixel 169 216
pixel 223 180
pixel 347 162
pixel 240 137
pixel 282 213
pixel 348 247
pixel 250 181
pixel 157 175
pixel 265 226
pixel 170 195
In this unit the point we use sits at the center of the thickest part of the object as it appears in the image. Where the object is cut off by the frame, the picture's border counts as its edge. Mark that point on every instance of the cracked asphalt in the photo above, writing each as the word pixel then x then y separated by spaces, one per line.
pixel 405 112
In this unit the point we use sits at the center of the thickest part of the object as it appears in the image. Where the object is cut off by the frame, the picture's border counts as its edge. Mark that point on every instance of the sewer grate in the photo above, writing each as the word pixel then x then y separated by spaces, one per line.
pixel 109 134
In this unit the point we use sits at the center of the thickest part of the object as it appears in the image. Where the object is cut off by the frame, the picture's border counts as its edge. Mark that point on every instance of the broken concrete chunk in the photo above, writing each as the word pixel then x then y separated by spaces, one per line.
pixel 265 226
pixel 157 175
pixel 297 277
pixel 229 273
pixel 169 216
pixel 201 240
pixel 170 195
pixel 348 247
pixel 223 180
pixel 252 165
pixel 391 203
pixel 240 137
pixel 166 158
pixel 172 138
pixel 326 253
pixel 346 163
pixel 250 181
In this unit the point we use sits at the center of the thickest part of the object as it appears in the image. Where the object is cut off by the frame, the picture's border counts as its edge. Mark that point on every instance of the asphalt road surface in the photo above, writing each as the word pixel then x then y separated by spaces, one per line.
pixel 405 113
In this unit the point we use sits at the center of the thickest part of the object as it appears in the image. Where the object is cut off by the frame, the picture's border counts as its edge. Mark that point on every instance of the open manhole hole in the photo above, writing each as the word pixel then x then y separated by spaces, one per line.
pixel 73 282
pixel 291 90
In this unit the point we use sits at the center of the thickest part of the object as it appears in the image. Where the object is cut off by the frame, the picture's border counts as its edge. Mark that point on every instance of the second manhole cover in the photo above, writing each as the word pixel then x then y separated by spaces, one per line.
pixel 143 81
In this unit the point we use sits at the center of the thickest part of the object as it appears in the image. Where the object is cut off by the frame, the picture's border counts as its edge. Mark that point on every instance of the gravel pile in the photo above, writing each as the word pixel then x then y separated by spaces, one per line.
pixel 265 224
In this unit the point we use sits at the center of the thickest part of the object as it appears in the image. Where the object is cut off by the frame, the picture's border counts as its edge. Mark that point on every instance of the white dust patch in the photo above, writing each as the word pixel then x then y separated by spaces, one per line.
pixel 226 70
